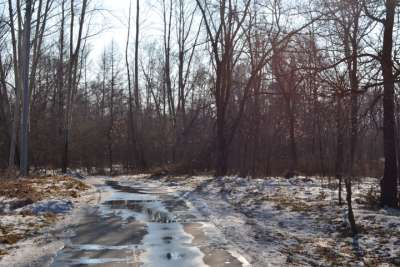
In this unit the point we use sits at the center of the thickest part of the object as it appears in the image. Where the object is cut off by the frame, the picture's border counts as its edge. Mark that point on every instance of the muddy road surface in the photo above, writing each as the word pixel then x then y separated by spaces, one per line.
pixel 140 223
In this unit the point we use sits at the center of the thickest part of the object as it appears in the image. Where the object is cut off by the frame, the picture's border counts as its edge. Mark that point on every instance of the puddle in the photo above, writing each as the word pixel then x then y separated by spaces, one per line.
pixel 137 225
pixel 87 261
pixel 143 225
pixel 174 248
pixel 95 247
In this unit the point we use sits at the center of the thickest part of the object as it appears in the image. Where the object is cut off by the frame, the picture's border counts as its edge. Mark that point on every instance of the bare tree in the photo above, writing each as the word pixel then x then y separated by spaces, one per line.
pixel 17 89
pixel 131 128
pixel 112 115
pixel 389 182
pixel 25 61
pixel 72 70
pixel 223 42
pixel 185 16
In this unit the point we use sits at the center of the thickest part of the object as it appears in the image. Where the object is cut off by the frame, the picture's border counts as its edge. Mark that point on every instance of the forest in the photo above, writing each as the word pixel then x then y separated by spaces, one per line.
pixel 255 88
pixel 220 88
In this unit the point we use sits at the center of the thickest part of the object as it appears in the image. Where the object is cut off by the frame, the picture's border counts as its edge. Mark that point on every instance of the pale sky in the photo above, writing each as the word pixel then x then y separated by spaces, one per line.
pixel 113 19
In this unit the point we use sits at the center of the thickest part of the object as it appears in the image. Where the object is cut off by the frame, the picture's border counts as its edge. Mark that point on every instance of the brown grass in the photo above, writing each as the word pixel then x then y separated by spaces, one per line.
pixel 34 189
pixel 10 239
pixel 28 190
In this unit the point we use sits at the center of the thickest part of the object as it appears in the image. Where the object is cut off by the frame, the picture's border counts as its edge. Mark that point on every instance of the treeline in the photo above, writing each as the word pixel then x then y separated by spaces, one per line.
pixel 254 87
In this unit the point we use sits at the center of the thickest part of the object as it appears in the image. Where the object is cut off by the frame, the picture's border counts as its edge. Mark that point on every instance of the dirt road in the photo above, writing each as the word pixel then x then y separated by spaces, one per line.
pixel 144 224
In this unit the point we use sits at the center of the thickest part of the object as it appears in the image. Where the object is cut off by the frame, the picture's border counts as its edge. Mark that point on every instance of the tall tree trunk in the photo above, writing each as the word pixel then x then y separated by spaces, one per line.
pixel 16 115
pixel 25 56
pixel 5 112
pixel 139 140
pixel 353 136
pixel 167 17
pixel 111 123
pixel 350 43
pixel 137 94
pixel 72 78
pixel 131 125
pixel 389 183
pixel 60 76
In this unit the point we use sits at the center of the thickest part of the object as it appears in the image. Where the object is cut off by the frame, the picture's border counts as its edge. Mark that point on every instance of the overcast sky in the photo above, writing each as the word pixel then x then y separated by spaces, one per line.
pixel 113 20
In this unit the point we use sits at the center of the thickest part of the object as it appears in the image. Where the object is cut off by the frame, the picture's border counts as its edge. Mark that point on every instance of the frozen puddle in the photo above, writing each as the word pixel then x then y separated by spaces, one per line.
pixel 170 246
pixel 141 225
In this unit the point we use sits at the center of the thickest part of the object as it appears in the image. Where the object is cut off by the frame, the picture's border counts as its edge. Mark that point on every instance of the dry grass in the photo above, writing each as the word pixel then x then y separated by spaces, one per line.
pixel 25 191
pixel 10 239
pixel 296 205
pixel 34 189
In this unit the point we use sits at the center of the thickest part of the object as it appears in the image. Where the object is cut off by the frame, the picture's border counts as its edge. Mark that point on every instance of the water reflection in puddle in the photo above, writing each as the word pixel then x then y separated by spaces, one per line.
pixel 161 241
pixel 88 261
pixel 170 247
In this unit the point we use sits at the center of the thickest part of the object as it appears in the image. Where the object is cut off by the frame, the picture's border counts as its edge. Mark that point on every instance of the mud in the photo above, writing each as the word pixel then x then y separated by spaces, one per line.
pixel 142 225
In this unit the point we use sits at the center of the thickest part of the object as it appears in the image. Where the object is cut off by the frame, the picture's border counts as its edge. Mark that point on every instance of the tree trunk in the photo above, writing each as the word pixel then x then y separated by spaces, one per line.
pixel 137 96
pixel 25 56
pixel 16 116
pixel 131 123
pixel 339 146
pixel 111 123
pixel 72 78
pixel 293 145
pixel 222 164
pixel 350 207
pixel 5 112
pixel 351 51
pixel 139 139
pixel 389 183
pixel 60 79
